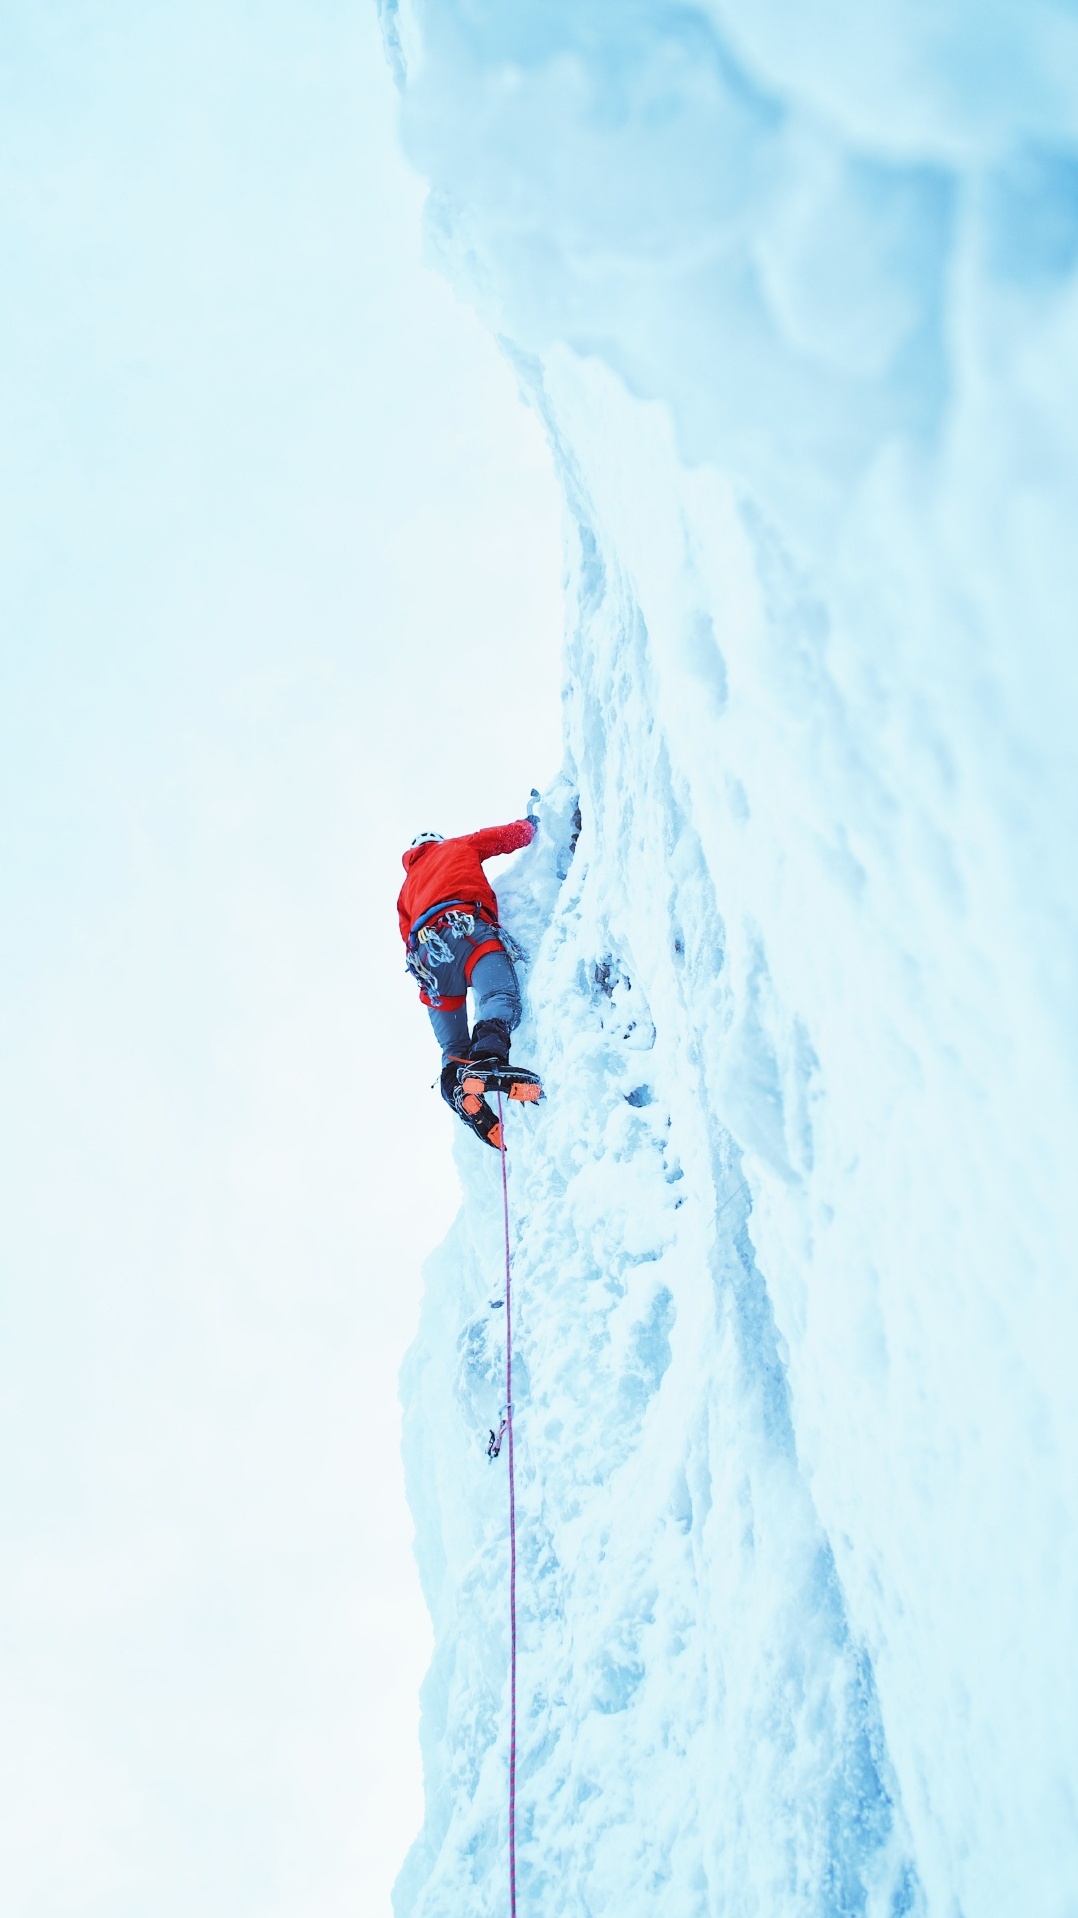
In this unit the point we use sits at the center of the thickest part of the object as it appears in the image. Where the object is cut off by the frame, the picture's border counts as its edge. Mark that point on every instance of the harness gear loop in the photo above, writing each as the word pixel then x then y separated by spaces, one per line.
pixel 453 921
pixel 461 922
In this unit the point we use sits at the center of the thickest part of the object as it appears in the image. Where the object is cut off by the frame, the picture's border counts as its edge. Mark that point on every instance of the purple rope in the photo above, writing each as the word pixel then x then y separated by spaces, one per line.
pixel 512 1538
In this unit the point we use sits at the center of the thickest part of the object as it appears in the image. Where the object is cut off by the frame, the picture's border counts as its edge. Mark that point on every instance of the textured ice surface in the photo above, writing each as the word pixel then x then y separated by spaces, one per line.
pixel 795 292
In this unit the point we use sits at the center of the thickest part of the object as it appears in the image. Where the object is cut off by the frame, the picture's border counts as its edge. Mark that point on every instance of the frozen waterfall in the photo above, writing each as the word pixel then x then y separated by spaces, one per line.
pixel 795 293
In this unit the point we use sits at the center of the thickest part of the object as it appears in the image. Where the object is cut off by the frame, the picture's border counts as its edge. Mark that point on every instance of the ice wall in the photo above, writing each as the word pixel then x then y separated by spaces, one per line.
pixel 794 290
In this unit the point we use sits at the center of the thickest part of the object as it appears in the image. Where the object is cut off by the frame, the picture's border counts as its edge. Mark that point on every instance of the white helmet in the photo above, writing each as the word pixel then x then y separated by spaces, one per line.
pixel 426 839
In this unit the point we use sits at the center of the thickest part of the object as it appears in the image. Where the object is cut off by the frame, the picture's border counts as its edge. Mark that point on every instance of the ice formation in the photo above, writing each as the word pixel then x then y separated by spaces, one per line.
pixel 794 290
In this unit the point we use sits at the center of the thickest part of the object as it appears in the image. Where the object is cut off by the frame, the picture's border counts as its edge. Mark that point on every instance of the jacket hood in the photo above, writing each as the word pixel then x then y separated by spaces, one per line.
pixel 413 853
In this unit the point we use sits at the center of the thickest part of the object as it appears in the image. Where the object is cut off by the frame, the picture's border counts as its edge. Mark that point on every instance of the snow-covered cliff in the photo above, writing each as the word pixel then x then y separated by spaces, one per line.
pixel 795 292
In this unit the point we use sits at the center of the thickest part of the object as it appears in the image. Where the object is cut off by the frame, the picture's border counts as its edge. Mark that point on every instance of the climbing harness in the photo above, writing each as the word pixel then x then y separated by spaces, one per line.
pixel 428 946
pixel 507 1428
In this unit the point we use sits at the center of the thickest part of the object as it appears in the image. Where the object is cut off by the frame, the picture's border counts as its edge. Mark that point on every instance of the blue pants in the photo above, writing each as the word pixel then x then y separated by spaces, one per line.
pixel 495 990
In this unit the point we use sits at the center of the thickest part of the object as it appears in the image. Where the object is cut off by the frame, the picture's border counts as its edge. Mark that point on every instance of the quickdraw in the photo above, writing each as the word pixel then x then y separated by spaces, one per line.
pixel 430 935
pixel 426 978
pixel 512 946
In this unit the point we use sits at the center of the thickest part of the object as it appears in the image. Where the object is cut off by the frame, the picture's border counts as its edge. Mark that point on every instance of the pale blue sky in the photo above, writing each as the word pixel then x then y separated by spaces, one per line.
pixel 276 536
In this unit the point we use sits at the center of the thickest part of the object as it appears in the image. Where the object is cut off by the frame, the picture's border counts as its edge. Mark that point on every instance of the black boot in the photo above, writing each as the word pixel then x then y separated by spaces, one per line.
pixel 471 1105
pixel 490 1041
pixel 482 1121
pixel 450 1073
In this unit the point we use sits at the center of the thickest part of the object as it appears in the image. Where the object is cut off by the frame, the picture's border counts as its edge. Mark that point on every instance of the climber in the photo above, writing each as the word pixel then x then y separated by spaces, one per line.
pixel 449 923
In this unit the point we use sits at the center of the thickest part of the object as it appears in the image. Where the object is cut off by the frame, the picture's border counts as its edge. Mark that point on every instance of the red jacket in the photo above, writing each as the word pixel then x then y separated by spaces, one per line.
pixel 450 869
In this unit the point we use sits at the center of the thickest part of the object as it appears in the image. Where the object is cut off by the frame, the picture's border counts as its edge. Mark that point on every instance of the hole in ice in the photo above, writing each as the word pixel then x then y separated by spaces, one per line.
pixel 605 975
pixel 639 1096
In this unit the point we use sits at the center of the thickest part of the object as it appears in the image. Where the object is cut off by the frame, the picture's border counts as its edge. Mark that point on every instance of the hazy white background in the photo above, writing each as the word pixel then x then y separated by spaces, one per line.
pixel 278 543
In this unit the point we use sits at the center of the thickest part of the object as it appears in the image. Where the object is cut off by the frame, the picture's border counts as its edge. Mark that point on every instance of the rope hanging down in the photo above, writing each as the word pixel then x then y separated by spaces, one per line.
pixel 512 1535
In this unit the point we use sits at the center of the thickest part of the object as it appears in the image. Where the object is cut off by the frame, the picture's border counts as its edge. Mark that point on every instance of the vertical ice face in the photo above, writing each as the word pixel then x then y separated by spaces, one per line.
pixel 698 1728
pixel 796 296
